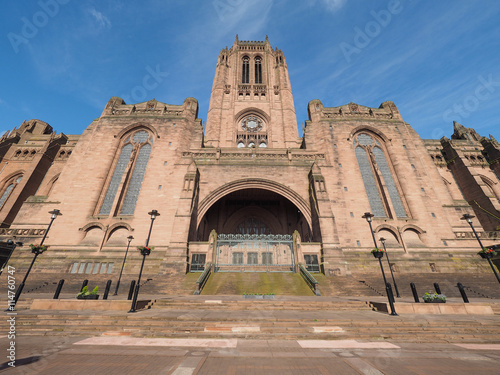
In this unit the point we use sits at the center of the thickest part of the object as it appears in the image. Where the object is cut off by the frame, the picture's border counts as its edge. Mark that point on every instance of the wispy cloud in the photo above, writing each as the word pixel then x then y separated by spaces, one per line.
pixel 333 5
pixel 102 21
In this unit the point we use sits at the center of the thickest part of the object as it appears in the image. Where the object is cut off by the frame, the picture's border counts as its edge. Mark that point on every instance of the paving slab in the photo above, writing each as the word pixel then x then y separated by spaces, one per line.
pixel 42 355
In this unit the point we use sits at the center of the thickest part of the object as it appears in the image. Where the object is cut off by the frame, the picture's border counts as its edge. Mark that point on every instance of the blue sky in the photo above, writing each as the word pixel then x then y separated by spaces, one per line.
pixel 438 61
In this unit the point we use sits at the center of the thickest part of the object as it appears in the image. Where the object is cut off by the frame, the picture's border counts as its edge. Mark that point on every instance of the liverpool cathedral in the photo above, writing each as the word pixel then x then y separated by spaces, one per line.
pixel 245 192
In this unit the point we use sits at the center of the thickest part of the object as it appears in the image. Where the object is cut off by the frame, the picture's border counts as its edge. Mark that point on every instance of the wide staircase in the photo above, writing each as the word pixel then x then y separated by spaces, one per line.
pixel 476 285
pixel 482 285
pixel 46 283
pixel 233 305
pixel 236 317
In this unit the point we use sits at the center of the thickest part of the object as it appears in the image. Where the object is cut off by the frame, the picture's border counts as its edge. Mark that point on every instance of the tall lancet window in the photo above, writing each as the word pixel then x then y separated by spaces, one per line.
pixel 258 70
pixel 245 71
pixel 377 177
pixel 9 186
pixel 129 169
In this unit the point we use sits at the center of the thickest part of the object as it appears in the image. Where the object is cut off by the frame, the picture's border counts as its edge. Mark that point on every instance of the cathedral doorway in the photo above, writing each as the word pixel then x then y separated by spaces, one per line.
pixel 254 230
pixel 253 211
pixel 254 253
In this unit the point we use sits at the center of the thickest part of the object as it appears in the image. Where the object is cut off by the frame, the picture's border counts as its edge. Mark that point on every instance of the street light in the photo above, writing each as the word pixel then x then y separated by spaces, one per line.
pixel 483 254
pixel 37 250
pixel 129 238
pixel 144 251
pixel 368 216
pixel 382 239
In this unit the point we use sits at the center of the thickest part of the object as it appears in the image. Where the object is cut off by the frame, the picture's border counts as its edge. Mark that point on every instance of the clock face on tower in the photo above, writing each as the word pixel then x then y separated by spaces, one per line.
pixel 251 124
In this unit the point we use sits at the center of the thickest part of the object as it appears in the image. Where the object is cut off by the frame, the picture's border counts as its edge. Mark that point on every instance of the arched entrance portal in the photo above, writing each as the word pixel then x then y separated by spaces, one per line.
pixel 254 229
pixel 253 211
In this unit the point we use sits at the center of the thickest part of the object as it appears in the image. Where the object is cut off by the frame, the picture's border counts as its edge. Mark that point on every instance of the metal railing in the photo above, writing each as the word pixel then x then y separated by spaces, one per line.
pixel 309 279
pixel 202 280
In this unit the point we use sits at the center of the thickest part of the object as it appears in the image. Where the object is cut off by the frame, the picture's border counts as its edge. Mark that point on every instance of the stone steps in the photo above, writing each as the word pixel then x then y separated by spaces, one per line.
pixel 402 334
pixel 185 319
pixel 260 305
pixel 483 285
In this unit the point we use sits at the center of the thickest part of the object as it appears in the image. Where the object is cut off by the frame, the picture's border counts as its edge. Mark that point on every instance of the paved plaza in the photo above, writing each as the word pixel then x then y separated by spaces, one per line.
pixel 125 355
pixel 186 335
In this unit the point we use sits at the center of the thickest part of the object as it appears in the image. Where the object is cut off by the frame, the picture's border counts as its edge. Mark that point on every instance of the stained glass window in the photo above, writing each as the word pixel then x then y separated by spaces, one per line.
pixel 245 73
pixel 141 137
pixel 252 226
pixel 258 70
pixel 371 188
pixel 135 184
pixel 389 182
pixel 8 190
pixel 121 165
pixel 374 167
pixel 365 140
pixel 6 194
pixel 128 174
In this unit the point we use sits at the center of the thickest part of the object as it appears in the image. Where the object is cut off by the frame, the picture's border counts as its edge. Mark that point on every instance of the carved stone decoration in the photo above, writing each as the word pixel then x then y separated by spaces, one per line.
pixel 151 105
pixel 251 124
pixel 353 107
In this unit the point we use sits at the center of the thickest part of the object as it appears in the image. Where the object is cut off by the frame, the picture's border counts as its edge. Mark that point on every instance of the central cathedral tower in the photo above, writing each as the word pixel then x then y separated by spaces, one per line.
pixel 251 104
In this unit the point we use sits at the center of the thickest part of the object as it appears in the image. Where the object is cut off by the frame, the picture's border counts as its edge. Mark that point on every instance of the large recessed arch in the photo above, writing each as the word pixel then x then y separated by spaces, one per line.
pixel 255 183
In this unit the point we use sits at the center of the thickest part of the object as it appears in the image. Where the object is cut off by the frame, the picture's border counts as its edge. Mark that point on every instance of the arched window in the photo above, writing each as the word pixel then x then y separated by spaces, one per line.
pixel 258 70
pixel 129 169
pixel 490 185
pixel 10 185
pixel 376 174
pixel 253 225
pixel 245 71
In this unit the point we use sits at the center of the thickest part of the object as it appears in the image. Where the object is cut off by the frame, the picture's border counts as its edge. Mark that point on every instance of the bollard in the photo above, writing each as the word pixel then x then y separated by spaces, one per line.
pixel 388 289
pixel 58 290
pixel 106 292
pixel 438 289
pixel 84 284
pixel 462 292
pixel 131 291
pixel 414 291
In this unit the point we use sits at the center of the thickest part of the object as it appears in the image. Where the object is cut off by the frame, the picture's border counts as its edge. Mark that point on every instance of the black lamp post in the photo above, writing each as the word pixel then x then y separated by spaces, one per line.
pixel 37 250
pixel 483 254
pixel 368 216
pixel 382 239
pixel 144 251
pixel 129 238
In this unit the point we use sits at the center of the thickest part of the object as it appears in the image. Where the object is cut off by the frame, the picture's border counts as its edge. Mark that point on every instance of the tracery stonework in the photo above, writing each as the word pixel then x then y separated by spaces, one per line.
pixel 249 172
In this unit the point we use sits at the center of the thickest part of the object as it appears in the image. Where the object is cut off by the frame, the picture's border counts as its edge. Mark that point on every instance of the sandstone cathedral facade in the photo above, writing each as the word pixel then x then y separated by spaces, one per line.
pixel 247 191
